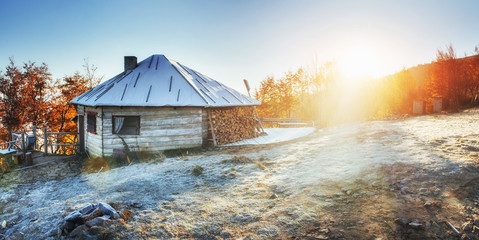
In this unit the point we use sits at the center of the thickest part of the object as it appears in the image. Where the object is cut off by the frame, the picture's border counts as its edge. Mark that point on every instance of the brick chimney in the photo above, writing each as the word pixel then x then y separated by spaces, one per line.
pixel 130 63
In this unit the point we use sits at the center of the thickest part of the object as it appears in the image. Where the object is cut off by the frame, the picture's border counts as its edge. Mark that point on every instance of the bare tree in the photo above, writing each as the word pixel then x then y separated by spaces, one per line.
pixel 90 74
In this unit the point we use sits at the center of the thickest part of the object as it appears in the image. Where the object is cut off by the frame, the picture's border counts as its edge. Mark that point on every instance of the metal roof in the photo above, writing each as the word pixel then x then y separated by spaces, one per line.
pixel 160 81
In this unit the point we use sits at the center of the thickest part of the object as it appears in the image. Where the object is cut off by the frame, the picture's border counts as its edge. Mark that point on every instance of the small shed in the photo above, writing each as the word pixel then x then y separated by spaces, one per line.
pixel 437 105
pixel 160 104
pixel 418 107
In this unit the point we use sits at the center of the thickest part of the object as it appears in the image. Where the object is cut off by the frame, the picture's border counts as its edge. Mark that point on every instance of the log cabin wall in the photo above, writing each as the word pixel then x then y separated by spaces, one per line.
pixel 161 128
pixel 205 126
pixel 93 141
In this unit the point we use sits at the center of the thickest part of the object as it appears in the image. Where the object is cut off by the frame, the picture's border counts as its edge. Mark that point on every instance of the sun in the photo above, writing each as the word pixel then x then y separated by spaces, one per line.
pixel 358 63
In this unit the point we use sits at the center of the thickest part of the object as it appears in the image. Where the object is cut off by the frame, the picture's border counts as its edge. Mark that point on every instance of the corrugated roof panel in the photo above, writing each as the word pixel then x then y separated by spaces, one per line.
pixel 159 81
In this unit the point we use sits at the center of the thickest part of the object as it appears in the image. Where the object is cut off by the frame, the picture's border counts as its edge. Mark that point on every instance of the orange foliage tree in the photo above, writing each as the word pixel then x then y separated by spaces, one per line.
pixel 299 94
pixel 445 79
pixel 63 111
pixel 279 97
pixel 28 97
pixel 36 93
pixel 11 85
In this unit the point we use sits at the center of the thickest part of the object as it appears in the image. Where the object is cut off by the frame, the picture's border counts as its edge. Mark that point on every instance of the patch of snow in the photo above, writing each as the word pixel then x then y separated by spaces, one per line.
pixel 276 135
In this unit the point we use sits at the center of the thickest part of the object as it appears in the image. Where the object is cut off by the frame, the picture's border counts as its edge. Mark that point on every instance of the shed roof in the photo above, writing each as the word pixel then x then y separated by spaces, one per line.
pixel 160 81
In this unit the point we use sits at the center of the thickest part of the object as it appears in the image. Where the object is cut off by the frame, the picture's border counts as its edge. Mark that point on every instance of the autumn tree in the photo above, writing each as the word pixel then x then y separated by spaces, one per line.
pixel 11 109
pixel 471 76
pixel 319 80
pixel 401 90
pixel 36 93
pixel 280 97
pixel 28 97
pixel 267 94
pixel 66 90
pixel 25 94
pixel 298 94
pixel 445 77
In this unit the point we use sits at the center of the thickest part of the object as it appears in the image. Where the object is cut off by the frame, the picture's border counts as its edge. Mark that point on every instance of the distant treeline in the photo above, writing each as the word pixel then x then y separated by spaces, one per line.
pixel 455 80
pixel 29 96
pixel 320 93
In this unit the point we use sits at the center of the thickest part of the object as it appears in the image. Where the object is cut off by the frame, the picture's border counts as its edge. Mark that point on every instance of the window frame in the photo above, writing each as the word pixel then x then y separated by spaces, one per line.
pixel 125 116
pixel 88 114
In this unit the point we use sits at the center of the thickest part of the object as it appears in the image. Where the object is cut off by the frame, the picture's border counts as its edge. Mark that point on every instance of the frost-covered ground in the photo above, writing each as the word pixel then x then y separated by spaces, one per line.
pixel 393 179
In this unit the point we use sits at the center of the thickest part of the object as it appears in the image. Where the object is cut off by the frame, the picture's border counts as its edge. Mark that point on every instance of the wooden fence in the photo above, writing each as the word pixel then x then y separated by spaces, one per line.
pixel 24 142
pixel 10 145
pixel 44 141
pixel 11 149
pixel 60 142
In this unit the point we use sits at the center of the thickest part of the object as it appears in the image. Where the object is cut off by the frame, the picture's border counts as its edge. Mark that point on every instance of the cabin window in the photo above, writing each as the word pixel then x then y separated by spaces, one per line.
pixel 91 122
pixel 126 125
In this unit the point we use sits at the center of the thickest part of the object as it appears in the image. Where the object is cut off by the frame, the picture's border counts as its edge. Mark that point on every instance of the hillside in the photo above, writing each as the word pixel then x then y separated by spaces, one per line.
pixel 420 73
pixel 383 179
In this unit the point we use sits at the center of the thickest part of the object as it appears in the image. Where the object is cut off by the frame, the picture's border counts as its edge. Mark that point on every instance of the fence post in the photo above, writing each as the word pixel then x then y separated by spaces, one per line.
pixel 45 139
pixel 24 148
pixel 35 136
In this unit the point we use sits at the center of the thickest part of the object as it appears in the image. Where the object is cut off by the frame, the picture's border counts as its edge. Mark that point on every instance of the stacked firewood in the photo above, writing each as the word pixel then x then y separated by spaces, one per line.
pixel 234 124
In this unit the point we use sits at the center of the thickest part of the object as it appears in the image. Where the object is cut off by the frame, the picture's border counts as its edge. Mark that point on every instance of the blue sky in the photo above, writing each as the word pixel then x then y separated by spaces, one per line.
pixel 233 40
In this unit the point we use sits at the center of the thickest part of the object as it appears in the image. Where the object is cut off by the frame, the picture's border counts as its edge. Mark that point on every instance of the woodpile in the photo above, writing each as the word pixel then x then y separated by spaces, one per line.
pixel 234 124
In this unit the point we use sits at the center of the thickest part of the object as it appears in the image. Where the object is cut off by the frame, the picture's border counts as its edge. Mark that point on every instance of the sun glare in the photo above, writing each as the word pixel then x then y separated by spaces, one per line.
pixel 359 63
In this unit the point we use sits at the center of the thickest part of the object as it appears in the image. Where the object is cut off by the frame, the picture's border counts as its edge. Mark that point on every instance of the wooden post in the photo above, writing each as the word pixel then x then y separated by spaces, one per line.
pixel 260 122
pixel 246 84
pixel 45 139
pixel 35 136
pixel 212 126
pixel 24 148
pixel 81 133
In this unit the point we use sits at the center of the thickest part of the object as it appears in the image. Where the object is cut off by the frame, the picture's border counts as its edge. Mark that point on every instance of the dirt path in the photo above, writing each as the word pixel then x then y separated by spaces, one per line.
pixel 403 179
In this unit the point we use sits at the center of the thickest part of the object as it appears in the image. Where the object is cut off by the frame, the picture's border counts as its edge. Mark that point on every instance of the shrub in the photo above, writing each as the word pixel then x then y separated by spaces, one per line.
pixel 197 170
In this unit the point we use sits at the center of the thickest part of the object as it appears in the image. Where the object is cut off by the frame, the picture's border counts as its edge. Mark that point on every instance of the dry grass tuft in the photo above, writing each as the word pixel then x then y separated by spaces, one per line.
pixel 262 158
pixel 260 165
pixel 126 214
pixel 239 159
pixel 95 164
pixel 115 205
pixel 148 156
pixel 260 162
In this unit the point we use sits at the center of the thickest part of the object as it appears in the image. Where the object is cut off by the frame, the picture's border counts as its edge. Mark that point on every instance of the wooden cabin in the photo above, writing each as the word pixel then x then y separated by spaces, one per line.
pixel 160 104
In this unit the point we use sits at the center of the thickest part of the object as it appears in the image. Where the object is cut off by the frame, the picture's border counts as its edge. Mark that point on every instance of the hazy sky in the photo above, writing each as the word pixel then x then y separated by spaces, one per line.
pixel 233 40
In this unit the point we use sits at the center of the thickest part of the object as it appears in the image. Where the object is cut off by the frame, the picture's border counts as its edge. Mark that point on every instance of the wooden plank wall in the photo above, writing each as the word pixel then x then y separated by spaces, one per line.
pixel 161 128
pixel 205 125
pixel 93 142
